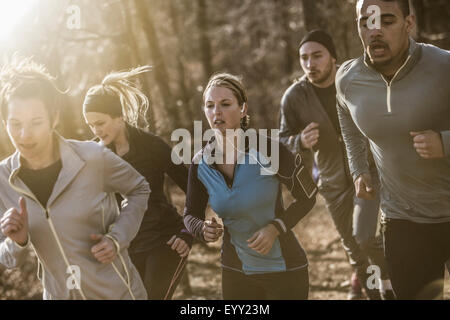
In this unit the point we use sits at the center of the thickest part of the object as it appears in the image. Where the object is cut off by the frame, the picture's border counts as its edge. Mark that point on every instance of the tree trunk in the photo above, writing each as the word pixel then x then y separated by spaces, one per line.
pixel 205 43
pixel 160 70
pixel 310 14
pixel 184 90
pixel 289 50
pixel 137 60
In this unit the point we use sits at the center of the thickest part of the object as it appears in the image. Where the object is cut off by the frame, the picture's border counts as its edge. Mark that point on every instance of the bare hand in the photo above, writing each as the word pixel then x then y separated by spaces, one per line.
pixel 310 135
pixel 179 245
pixel 263 239
pixel 212 230
pixel 105 250
pixel 364 187
pixel 14 223
pixel 428 144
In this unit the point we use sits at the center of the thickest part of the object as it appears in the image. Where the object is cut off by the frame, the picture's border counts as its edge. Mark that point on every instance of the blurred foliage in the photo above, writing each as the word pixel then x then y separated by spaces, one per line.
pixel 185 41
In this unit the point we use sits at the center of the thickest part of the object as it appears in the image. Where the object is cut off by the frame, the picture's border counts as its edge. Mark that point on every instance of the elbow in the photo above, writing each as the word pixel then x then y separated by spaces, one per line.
pixel 309 204
pixel 312 202
pixel 146 188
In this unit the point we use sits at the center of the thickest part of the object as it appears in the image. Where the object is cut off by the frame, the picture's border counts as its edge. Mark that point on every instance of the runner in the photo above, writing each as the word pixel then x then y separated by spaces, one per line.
pixel 261 258
pixel 58 197
pixel 309 125
pixel 397 97
pixel 113 110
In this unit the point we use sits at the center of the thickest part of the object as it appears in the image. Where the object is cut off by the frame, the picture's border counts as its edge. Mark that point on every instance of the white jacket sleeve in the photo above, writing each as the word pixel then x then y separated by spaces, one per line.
pixel 121 177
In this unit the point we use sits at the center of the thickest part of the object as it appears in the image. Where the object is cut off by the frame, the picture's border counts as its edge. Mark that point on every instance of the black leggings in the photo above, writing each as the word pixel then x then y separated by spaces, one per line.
pixel 161 269
pixel 289 285
pixel 416 255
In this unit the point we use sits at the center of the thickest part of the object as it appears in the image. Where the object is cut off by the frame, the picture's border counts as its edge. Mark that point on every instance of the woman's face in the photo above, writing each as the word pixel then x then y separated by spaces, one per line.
pixel 29 127
pixel 222 109
pixel 104 126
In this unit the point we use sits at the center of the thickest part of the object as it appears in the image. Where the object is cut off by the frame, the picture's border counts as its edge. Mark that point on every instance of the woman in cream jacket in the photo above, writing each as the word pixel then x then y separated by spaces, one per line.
pixel 57 197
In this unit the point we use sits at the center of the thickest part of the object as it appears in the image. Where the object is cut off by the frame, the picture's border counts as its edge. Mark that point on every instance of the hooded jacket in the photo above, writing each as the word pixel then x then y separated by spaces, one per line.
pixel 82 203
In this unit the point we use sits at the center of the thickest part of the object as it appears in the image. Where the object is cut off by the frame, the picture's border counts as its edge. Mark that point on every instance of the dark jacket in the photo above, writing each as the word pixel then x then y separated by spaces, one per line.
pixel 299 107
pixel 151 157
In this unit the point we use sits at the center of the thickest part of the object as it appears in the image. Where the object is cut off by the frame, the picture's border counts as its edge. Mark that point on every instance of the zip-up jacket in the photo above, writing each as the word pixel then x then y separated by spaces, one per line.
pixel 417 98
pixel 151 157
pixel 299 107
pixel 82 203
pixel 248 203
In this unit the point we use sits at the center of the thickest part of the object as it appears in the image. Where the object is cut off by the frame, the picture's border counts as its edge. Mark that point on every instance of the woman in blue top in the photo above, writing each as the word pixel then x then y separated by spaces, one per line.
pixel 261 257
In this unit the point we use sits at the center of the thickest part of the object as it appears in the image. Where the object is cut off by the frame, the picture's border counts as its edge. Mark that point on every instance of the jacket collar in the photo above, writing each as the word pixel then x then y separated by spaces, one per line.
pixel 414 55
pixel 209 151
pixel 72 164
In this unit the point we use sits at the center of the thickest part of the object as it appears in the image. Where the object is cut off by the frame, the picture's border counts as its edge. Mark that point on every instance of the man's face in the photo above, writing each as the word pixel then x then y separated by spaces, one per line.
pixel 386 44
pixel 316 62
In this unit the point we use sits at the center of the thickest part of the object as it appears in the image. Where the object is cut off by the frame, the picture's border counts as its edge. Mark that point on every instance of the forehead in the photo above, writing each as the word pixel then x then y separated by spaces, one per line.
pixel 92 117
pixel 217 93
pixel 23 109
pixel 386 7
pixel 311 47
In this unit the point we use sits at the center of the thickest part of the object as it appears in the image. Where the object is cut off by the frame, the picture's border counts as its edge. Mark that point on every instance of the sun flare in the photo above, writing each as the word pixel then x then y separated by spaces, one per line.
pixel 11 13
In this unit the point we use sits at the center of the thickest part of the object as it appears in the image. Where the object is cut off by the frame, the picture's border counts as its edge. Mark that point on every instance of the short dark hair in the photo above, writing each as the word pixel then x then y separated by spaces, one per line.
pixel 403 4
pixel 23 78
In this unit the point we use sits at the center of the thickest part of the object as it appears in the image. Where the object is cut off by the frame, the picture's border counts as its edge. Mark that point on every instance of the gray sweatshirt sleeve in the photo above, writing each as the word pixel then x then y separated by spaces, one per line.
pixel 121 177
pixel 354 140
pixel 11 254
pixel 290 131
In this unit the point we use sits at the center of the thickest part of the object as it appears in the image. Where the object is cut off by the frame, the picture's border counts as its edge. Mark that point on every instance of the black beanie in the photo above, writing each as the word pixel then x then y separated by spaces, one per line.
pixel 321 37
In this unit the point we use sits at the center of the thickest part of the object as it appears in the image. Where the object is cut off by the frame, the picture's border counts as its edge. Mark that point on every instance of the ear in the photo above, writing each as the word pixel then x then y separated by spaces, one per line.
pixel 120 120
pixel 244 110
pixel 334 60
pixel 410 23
pixel 56 120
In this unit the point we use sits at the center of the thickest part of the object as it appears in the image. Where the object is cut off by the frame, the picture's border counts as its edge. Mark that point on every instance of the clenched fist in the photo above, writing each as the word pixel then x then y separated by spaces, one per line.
pixel 105 250
pixel 310 135
pixel 262 241
pixel 212 230
pixel 364 187
pixel 179 245
pixel 14 223
pixel 428 144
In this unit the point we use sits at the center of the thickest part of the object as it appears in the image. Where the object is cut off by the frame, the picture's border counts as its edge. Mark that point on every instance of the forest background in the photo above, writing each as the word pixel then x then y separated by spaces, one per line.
pixel 186 41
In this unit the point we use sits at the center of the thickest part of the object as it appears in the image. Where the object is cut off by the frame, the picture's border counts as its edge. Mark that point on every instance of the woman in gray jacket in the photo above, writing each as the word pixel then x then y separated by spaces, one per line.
pixel 57 196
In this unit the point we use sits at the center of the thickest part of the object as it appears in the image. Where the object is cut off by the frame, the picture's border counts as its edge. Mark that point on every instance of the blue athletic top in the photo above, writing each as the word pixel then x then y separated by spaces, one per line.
pixel 248 203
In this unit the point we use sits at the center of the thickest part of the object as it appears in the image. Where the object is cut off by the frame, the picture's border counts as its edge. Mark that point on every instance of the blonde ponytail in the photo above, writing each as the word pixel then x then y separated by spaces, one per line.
pixel 134 102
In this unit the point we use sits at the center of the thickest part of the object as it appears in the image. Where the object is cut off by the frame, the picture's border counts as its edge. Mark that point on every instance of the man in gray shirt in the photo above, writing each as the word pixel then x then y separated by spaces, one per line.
pixel 398 97
pixel 309 125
